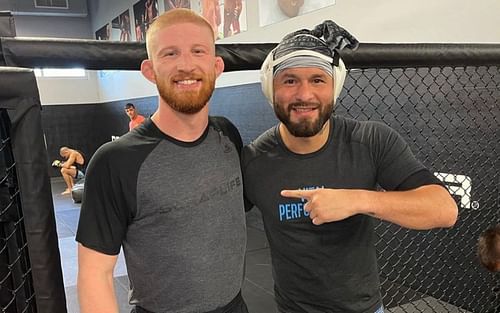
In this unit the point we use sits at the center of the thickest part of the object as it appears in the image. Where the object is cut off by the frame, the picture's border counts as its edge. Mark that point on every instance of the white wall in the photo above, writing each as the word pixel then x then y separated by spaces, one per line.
pixel 389 21
pixel 69 90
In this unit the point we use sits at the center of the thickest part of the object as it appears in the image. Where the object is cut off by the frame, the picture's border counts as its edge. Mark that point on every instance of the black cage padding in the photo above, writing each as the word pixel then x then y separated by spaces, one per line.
pixel 19 96
pixel 113 55
pixel 7 25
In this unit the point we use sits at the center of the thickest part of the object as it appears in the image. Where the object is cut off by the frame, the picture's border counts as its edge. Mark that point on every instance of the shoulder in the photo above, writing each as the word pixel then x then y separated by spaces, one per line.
pixel 222 123
pixel 225 126
pixel 364 132
pixel 262 145
pixel 134 145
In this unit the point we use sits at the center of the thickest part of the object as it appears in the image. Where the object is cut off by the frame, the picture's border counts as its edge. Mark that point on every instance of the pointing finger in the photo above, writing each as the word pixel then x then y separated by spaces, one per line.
pixel 303 194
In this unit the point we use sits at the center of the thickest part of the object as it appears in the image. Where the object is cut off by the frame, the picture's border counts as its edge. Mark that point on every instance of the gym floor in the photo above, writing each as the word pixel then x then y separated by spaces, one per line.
pixel 257 288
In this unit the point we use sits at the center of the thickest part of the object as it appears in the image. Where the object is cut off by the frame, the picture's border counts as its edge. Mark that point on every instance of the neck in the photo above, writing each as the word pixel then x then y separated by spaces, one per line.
pixel 305 145
pixel 183 127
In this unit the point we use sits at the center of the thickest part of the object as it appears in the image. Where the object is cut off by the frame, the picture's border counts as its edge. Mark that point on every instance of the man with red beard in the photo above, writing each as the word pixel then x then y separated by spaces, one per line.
pixel 170 191
pixel 314 178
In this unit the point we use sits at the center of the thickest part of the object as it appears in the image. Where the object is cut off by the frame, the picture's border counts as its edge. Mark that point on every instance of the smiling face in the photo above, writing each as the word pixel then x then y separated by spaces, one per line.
pixel 183 65
pixel 303 99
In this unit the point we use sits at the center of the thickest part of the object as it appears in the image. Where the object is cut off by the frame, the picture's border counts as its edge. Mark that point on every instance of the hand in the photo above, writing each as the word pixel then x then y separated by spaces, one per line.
pixel 327 205
pixel 57 163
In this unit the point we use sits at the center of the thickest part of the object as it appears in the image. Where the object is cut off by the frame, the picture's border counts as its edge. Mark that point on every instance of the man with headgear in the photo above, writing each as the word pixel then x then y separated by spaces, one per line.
pixel 314 178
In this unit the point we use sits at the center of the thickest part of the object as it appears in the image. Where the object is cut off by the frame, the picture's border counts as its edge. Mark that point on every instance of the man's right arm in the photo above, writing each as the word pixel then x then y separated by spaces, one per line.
pixel 95 281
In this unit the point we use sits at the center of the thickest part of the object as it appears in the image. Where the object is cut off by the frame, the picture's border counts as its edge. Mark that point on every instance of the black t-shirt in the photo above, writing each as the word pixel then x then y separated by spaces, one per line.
pixel 330 267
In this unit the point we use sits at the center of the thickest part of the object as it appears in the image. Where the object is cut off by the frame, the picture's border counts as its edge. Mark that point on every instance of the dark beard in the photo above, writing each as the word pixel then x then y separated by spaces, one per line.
pixel 303 128
pixel 187 102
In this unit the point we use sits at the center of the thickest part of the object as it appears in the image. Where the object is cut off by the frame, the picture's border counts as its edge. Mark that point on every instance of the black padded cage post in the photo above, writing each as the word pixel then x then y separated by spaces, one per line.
pixel 31 266
pixel 17 292
pixel 442 98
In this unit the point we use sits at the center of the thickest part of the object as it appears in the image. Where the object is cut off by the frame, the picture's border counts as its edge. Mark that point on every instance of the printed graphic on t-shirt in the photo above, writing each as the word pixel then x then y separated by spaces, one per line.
pixel 295 210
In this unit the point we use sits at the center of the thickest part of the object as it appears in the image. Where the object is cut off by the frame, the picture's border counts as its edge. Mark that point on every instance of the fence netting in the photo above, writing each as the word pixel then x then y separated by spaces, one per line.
pixel 450 116
pixel 16 283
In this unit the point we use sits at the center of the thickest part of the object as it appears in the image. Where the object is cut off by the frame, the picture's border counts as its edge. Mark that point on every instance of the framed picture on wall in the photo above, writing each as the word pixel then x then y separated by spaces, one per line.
pixel 139 20
pixel 150 12
pixel 120 27
pixel 103 33
pixel 235 17
pixel 273 11
pixel 173 4
pixel 227 17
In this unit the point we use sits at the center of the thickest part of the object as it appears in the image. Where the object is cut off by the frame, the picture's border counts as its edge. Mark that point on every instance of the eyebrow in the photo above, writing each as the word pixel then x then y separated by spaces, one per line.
pixel 316 75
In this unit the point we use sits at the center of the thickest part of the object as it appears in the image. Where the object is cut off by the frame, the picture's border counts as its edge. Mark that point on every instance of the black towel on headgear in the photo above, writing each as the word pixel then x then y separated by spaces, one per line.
pixel 327 38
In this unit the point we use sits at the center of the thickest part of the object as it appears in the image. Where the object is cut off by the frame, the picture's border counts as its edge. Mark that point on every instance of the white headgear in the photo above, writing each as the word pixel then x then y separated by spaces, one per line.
pixel 309 44
pixel 267 71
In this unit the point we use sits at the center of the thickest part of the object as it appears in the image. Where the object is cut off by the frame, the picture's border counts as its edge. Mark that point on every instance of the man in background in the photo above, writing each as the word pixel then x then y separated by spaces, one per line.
pixel 71 167
pixel 135 118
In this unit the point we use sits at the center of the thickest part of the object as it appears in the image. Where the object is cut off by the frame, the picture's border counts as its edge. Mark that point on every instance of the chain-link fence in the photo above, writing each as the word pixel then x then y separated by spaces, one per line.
pixel 16 285
pixel 450 116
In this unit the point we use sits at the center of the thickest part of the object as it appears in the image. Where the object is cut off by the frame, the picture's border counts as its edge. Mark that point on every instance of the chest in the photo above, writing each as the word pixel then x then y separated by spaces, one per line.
pixel 196 183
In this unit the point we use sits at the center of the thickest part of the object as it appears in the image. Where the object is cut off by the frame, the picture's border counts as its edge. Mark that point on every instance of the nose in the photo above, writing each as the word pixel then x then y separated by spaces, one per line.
pixel 185 63
pixel 304 92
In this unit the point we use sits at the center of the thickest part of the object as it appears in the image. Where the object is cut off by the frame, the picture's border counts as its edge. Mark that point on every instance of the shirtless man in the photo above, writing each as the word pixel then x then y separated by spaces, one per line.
pixel 71 167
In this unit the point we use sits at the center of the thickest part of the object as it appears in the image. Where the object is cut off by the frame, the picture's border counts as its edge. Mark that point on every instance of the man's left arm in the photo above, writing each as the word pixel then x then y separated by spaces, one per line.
pixel 69 162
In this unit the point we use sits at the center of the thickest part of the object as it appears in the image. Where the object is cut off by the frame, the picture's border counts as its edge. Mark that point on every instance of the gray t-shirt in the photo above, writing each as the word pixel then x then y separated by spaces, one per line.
pixel 330 267
pixel 177 210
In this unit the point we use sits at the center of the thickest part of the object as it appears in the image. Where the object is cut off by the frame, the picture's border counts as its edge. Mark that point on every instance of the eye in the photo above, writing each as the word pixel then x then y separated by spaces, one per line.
pixel 169 53
pixel 318 81
pixel 289 81
pixel 198 51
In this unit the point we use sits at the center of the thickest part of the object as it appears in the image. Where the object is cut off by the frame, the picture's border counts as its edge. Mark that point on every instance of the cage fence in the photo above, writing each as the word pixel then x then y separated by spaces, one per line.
pixel 16 285
pixel 450 117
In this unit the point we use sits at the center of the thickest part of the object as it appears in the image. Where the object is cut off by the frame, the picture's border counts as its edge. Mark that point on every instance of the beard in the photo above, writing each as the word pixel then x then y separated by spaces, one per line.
pixel 304 127
pixel 187 101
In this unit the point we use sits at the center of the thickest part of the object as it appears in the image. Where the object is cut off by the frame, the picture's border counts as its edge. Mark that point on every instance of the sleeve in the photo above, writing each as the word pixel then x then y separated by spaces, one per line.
pixel 394 160
pixel 419 179
pixel 229 130
pixel 232 132
pixel 244 157
pixel 106 207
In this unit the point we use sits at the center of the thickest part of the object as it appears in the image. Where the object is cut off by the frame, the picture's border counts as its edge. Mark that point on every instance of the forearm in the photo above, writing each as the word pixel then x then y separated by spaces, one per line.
pixel 96 292
pixel 425 207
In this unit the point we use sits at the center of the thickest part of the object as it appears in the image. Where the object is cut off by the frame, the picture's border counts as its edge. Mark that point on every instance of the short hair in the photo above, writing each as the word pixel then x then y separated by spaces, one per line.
pixel 173 17
pixel 488 248
pixel 129 105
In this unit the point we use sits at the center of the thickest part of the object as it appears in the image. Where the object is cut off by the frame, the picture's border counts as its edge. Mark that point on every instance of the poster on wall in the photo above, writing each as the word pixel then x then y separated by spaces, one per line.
pixel 145 12
pixel 103 33
pixel 235 17
pixel 273 11
pixel 227 17
pixel 120 27
pixel 174 4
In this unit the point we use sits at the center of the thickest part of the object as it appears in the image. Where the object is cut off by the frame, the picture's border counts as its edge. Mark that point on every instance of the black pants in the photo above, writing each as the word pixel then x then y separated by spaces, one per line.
pixel 237 305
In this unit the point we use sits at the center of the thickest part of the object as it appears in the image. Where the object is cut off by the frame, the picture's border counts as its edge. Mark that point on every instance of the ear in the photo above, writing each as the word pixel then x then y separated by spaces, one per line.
pixel 219 66
pixel 147 70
